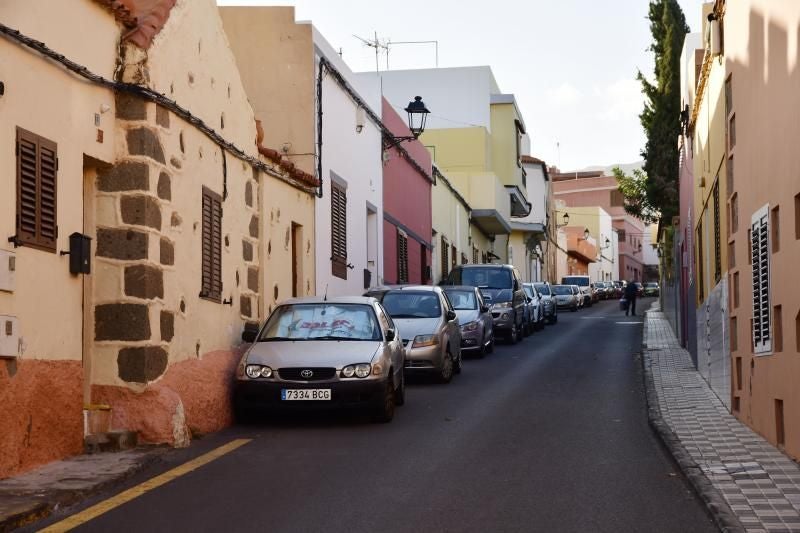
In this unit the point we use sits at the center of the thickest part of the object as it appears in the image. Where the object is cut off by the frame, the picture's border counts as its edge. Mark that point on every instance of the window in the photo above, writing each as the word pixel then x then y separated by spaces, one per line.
pixel 402 257
pixel 776 229
pixel 453 256
pixel 762 339
pixel 728 96
pixel 797 216
pixel 464 259
pixel 338 231
pixel 735 290
pixel 780 435
pixel 211 283
pixel 474 255
pixel 617 199
pixel 735 346
pixel 732 132
pixel 621 235
pixel 424 275
pixel 731 254
pixel 777 327
pixel 37 172
pixel 729 175
pixel 717 244
pixel 734 213
pixel 445 248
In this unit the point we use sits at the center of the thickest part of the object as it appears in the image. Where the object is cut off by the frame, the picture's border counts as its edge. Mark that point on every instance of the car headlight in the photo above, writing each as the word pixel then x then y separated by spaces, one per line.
pixel 360 370
pixel 425 340
pixel 258 371
pixel 470 326
pixel 502 305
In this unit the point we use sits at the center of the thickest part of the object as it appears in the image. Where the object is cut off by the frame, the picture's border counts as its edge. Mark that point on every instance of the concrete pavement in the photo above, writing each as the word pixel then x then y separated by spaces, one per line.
pixel 747 483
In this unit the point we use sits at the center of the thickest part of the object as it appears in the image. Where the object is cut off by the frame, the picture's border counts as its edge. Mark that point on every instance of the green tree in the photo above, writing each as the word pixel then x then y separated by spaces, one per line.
pixel 634 189
pixel 657 187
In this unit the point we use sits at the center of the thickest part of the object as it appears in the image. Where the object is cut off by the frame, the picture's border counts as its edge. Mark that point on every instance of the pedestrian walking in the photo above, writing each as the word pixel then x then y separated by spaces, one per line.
pixel 630 295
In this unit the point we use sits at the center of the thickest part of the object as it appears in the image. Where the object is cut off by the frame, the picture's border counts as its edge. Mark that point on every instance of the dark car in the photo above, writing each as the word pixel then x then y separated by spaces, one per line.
pixel 477 331
pixel 501 288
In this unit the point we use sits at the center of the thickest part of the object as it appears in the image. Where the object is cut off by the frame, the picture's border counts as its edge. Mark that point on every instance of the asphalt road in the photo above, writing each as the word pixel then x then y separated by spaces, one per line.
pixel 547 435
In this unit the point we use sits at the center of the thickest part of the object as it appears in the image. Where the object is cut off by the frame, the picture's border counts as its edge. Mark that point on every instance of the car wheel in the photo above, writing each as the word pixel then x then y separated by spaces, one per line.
pixel 490 348
pixel 385 409
pixel 458 365
pixel 400 393
pixel 513 336
pixel 446 373
pixel 483 350
pixel 574 308
pixel 554 318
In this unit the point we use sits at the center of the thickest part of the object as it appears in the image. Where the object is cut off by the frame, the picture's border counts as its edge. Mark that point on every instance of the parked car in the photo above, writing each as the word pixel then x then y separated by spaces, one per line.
pixel 548 301
pixel 618 287
pixel 585 286
pixel 651 289
pixel 501 288
pixel 314 353
pixel 477 332
pixel 429 327
pixel 602 288
pixel 537 306
pixel 639 288
pixel 565 297
pixel 579 295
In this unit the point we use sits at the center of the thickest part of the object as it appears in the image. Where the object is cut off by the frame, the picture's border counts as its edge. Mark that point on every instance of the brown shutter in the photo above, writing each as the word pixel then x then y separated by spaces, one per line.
pixel 338 232
pixel 37 171
pixel 211 278
pixel 445 248
pixel 402 258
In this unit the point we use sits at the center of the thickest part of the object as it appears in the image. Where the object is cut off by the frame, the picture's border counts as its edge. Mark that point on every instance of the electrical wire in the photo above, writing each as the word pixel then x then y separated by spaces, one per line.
pixel 152 96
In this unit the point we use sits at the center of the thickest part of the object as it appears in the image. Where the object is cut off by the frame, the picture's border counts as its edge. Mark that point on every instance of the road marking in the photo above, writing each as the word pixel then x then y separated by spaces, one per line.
pixel 134 492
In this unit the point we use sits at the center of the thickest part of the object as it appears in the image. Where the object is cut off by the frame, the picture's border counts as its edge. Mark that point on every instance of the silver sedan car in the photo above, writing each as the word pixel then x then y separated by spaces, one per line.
pixel 317 353
pixel 474 318
pixel 566 298
pixel 430 329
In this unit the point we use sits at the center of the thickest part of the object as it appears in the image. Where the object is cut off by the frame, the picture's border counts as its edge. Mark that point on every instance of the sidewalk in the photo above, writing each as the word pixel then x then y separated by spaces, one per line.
pixel 747 484
pixel 35 494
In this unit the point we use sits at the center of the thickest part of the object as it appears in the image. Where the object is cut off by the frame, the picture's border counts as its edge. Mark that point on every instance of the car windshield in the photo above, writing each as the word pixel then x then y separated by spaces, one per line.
pixel 581 281
pixel 490 277
pixel 408 304
pixel 652 285
pixel 502 296
pixel 322 321
pixel 528 290
pixel 561 289
pixel 543 288
pixel 462 300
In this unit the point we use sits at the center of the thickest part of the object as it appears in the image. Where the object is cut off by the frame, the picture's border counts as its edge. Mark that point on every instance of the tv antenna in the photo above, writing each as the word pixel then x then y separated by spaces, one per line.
pixel 378 45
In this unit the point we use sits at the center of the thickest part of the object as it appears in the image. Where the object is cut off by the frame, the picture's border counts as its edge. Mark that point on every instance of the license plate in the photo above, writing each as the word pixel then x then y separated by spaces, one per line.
pixel 305 394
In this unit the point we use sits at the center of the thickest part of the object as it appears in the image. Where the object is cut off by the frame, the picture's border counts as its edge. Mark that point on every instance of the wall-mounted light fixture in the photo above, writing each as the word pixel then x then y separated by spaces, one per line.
pixel 586 235
pixel 566 221
pixel 417 117
pixel 359 119
pixel 2 88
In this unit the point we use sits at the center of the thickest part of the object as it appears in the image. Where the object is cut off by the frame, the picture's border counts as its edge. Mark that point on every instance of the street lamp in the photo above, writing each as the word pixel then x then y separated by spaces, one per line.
pixel 417 117
pixel 606 245
pixel 586 234
pixel 566 221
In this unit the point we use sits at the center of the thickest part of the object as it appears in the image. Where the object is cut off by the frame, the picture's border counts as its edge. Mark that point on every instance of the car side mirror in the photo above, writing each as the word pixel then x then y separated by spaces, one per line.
pixel 390 334
pixel 450 315
pixel 484 309
pixel 250 332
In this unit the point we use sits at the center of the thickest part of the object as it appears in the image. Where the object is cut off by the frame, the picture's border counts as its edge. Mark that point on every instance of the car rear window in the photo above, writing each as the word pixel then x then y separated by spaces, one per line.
pixel 408 304
pixel 489 277
pixel 322 321
pixel 462 300
pixel 581 281
pixel 560 289
pixel 543 288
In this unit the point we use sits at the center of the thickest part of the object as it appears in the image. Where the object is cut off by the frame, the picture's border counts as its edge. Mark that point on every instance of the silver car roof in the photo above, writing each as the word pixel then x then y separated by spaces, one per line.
pixel 331 299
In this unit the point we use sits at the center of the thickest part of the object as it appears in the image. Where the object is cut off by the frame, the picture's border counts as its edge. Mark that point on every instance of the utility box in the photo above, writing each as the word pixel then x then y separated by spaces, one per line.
pixel 9 336
pixel 80 252
pixel 8 267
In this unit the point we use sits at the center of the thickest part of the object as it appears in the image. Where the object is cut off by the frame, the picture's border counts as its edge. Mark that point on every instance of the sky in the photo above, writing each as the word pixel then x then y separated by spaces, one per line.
pixel 571 64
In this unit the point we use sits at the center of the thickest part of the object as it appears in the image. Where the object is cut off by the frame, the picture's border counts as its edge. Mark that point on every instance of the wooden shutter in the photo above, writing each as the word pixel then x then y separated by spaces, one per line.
pixel 760 252
pixel 717 235
pixel 402 257
pixel 211 284
pixel 37 180
pixel 445 248
pixel 338 231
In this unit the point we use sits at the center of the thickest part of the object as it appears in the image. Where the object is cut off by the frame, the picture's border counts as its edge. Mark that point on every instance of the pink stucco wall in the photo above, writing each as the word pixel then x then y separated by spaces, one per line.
pixel 406 200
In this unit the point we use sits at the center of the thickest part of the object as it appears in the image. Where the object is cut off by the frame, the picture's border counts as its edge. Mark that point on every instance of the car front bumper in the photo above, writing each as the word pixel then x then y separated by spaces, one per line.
pixel 471 340
pixel 265 395
pixel 424 358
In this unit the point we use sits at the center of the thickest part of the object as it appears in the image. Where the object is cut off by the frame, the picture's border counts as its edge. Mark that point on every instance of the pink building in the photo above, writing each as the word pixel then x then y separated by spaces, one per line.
pixel 406 207
pixel 587 189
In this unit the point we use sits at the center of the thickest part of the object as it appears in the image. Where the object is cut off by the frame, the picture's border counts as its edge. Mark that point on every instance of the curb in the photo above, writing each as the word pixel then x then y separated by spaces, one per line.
pixel 724 517
pixel 59 499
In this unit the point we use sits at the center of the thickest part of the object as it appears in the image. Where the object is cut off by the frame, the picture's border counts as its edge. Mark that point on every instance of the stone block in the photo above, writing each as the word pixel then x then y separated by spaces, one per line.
pixel 125 176
pixel 144 281
pixel 130 106
pixel 252 278
pixel 126 244
pixel 254 226
pixel 247 251
pixel 245 305
pixel 121 322
pixel 141 210
pixel 167 252
pixel 164 188
pixel 143 141
pixel 141 364
pixel 162 116
pixel 167 326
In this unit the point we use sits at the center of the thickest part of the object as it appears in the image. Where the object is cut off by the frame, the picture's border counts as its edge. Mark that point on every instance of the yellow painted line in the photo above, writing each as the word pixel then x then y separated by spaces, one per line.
pixel 134 492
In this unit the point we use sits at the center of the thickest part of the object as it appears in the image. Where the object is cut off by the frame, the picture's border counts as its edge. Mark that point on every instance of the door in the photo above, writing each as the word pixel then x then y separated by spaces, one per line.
pixel 297 260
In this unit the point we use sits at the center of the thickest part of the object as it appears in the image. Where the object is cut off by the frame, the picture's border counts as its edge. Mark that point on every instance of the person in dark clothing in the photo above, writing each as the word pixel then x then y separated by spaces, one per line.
pixel 630 295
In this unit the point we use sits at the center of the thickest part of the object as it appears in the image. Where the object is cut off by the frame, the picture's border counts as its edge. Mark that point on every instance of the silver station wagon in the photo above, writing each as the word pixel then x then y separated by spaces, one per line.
pixel 319 353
